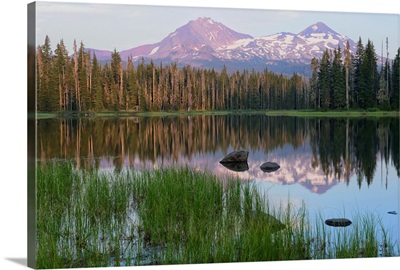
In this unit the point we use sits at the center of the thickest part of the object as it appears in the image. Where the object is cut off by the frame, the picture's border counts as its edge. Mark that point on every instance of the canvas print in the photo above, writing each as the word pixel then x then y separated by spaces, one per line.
pixel 179 135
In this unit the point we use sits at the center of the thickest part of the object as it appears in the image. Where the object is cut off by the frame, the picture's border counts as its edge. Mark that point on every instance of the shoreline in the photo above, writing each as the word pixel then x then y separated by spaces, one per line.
pixel 300 113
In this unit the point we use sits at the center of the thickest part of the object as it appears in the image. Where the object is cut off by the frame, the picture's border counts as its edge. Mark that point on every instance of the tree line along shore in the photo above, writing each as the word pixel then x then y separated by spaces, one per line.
pixel 339 81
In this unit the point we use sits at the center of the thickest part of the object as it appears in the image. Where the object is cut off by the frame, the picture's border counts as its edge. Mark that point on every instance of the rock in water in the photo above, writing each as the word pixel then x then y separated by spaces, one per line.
pixel 269 167
pixel 236 166
pixel 338 222
pixel 236 156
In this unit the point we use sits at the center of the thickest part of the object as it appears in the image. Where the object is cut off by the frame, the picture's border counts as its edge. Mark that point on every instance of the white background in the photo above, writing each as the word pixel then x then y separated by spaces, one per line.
pixel 13 131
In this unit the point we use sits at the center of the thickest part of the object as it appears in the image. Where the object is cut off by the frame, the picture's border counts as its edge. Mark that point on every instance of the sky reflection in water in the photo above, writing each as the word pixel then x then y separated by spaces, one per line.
pixel 331 175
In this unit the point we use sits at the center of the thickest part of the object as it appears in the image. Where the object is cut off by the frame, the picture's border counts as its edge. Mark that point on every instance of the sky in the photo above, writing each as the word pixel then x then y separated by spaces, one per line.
pixel 122 27
pixel 13 139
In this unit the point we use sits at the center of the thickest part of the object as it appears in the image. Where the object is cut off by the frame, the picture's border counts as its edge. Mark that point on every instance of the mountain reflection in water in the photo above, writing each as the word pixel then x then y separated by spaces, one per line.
pixel 336 167
pixel 315 153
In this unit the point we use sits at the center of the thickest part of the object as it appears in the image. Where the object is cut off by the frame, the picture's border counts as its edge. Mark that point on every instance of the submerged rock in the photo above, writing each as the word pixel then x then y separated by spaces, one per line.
pixel 269 166
pixel 236 166
pixel 236 156
pixel 338 222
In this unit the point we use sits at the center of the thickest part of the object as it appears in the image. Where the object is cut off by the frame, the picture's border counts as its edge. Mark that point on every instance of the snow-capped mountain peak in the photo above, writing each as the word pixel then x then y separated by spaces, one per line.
pixel 198 39
pixel 286 46
pixel 317 28
pixel 204 42
pixel 208 32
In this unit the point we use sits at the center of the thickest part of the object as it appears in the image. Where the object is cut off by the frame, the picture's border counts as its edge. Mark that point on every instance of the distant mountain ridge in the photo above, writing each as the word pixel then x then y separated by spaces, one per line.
pixel 284 46
pixel 206 43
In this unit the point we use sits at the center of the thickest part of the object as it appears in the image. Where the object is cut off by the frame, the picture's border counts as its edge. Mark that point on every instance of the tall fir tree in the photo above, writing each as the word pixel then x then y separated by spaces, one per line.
pixel 62 65
pixel 97 85
pixel 254 95
pixel 338 82
pixel 383 87
pixel 131 84
pixel 116 82
pixel 44 63
pixel 395 92
pixel 357 60
pixel 324 81
pixel 368 81
pixel 347 66
pixel 314 90
pixel 83 77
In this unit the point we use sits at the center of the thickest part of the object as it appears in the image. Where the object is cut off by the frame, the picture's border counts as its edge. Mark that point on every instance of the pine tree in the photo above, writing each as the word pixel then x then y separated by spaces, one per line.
pixel 116 82
pixel 324 80
pixel 314 93
pixel 347 65
pixel 368 81
pixel 166 90
pixel 107 93
pixel 190 87
pixel 203 90
pixel 223 94
pixel 382 97
pixel 338 81
pixel 394 94
pixel 61 66
pixel 131 86
pixel 357 60
pixel 293 102
pixel 44 66
pixel 97 85
pixel 383 89
pixel 140 84
pixel 253 90
pixel 84 93
pixel 266 86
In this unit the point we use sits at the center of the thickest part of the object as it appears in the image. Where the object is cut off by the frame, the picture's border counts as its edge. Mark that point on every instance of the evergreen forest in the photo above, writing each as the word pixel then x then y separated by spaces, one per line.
pixel 341 80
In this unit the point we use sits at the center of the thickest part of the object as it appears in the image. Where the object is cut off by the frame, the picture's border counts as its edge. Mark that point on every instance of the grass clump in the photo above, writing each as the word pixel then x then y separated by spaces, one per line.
pixel 193 217
pixel 81 216
pixel 180 216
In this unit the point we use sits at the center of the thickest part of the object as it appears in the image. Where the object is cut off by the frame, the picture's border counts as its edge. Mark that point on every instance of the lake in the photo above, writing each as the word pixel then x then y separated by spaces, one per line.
pixel 336 167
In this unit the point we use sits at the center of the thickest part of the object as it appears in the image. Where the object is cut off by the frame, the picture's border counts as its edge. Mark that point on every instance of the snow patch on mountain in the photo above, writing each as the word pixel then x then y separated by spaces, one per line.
pixel 311 42
pixel 153 51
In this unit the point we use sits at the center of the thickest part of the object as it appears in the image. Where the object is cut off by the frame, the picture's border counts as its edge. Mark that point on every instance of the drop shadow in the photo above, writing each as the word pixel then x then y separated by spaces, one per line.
pixel 20 261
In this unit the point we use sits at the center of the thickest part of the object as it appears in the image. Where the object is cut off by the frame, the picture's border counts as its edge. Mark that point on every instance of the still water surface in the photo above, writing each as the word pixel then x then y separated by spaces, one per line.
pixel 336 167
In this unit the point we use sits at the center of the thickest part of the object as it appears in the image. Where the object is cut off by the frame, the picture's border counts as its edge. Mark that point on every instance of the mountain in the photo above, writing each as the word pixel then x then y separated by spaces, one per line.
pixel 288 47
pixel 198 39
pixel 206 43
pixel 317 29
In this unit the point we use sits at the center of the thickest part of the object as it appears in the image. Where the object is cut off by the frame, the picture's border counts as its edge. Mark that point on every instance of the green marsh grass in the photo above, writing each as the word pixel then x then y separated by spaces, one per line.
pixel 180 216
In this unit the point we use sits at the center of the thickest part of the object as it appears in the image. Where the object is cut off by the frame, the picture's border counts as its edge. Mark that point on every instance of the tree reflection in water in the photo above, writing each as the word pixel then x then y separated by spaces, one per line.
pixel 340 147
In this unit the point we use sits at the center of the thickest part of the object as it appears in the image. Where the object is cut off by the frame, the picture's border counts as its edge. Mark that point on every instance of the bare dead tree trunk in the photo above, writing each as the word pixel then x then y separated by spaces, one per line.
pixel 153 90
pixel 120 86
pixel 203 90
pixel 60 92
pixel 189 90
pixel 76 77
